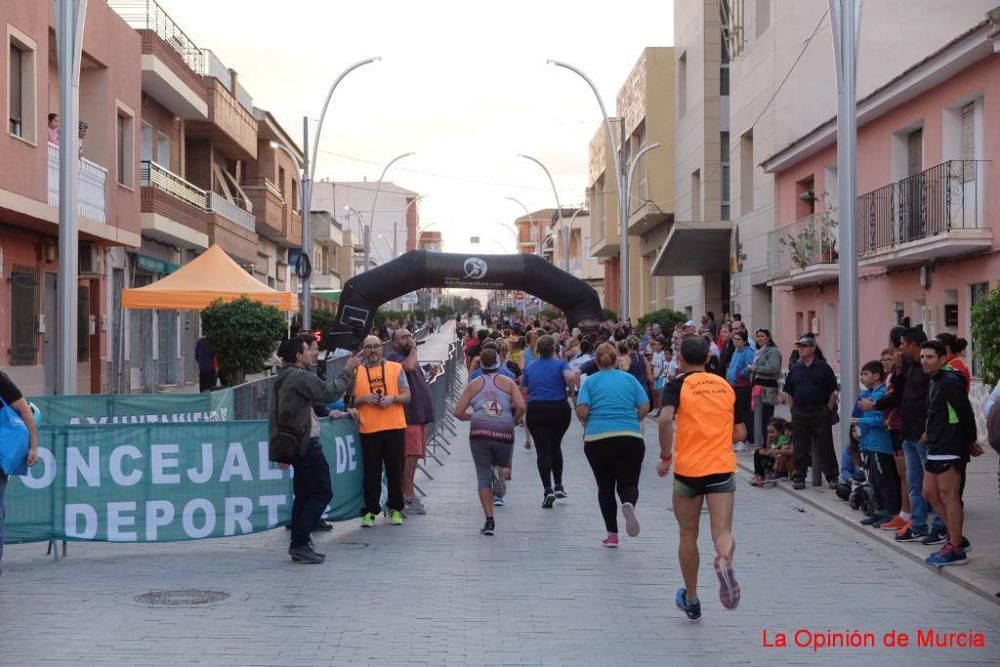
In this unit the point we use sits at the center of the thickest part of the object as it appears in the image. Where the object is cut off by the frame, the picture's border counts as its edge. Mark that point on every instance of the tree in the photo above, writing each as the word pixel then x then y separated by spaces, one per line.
pixel 666 318
pixel 986 337
pixel 608 314
pixel 322 321
pixel 243 334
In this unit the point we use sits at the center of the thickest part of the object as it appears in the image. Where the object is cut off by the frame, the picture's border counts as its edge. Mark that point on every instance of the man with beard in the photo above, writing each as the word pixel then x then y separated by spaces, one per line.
pixel 380 392
pixel 419 412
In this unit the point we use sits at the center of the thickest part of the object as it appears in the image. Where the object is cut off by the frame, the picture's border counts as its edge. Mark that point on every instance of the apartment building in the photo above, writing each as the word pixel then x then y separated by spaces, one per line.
pixel 774 102
pixel 532 230
pixel 928 212
pixel 695 252
pixel 572 252
pixel 110 103
pixel 602 203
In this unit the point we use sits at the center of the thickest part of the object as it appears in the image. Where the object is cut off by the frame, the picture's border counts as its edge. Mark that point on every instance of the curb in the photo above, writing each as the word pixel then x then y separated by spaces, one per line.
pixel 942 571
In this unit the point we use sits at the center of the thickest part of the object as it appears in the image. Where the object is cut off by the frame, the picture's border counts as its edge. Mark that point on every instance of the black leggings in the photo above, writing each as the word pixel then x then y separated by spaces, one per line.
pixel 548 422
pixel 616 462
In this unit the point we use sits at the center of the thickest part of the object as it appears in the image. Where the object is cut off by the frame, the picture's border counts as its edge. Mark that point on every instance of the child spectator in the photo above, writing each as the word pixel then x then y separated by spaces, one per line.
pixel 777 450
pixel 876 447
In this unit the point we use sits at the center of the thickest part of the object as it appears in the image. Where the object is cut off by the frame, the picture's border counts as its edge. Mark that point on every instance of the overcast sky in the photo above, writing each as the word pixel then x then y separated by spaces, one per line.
pixel 464 85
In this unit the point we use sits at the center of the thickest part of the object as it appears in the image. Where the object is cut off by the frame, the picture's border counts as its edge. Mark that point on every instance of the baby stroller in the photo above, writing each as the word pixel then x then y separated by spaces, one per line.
pixel 862 495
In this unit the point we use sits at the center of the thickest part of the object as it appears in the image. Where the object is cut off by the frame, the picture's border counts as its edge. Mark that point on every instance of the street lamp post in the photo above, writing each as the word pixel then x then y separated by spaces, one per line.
pixel 531 218
pixel 569 235
pixel 553 184
pixel 623 182
pixel 308 172
pixel 378 187
pixel 513 232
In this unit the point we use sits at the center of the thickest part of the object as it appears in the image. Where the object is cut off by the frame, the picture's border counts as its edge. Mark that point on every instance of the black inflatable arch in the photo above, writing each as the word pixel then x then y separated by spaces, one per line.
pixel 364 293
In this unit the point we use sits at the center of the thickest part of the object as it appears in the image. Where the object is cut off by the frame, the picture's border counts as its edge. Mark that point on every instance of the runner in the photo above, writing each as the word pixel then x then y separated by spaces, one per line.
pixel 491 434
pixel 704 405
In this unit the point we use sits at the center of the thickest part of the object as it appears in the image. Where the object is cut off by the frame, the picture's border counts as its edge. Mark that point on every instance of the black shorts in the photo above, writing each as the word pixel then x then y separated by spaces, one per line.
pixel 937 466
pixel 897 441
pixel 692 487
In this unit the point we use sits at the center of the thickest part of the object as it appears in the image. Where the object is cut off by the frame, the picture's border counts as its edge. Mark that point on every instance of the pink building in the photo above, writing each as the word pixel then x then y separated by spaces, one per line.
pixel 928 214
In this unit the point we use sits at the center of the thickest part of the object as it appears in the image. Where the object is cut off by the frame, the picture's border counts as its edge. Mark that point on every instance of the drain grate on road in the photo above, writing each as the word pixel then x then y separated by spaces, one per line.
pixel 187 597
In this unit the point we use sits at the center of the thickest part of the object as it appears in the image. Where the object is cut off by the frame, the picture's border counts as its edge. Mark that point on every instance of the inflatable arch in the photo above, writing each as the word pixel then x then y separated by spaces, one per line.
pixel 364 293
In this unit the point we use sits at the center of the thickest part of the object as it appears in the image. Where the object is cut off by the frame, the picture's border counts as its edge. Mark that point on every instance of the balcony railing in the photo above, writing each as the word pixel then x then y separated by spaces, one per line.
pixel 801 245
pixel 148 15
pixel 232 212
pixel 93 178
pixel 936 201
pixel 266 184
pixel 156 176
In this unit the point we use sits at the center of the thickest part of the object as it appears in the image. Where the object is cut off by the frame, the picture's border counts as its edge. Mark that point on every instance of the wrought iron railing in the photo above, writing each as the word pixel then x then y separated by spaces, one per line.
pixel 148 15
pixel 266 184
pixel 802 244
pixel 935 201
pixel 91 186
pixel 156 176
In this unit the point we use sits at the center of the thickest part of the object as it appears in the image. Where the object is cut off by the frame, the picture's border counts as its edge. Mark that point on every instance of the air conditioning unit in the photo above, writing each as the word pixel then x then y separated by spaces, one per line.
pixel 91 260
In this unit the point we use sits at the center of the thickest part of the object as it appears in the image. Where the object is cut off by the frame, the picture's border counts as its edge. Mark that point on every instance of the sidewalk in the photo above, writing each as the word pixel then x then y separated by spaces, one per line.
pixel 982 573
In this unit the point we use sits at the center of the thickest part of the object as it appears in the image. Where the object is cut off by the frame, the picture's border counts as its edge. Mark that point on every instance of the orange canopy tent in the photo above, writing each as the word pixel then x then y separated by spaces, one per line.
pixel 211 276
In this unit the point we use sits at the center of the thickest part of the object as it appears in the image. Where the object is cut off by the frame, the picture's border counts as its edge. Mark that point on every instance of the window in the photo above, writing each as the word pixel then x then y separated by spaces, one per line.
pixel 20 85
pixel 83 323
pixel 281 181
pixel 746 173
pixel 124 148
pixel 295 195
pixel 696 195
pixel 968 142
pixel 146 137
pixel 724 158
pixel 682 82
pixel 763 17
pixel 724 71
pixel 23 315
pixel 163 149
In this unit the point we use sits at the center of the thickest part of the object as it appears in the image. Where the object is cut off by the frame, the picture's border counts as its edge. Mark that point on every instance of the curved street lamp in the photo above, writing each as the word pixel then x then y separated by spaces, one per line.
pixel 552 183
pixel 531 218
pixel 378 187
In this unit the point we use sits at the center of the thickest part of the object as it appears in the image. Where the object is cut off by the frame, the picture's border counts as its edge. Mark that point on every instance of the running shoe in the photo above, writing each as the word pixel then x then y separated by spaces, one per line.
pixel 739 446
pixel 631 521
pixel 560 493
pixel 934 537
pixel 798 483
pixel 948 555
pixel 729 589
pixel 549 501
pixel 368 520
pixel 611 541
pixel 499 485
pixel 498 501
pixel 966 544
pixel 691 608
pixel 416 506
pixel 911 534
pixel 895 523
pixel 396 518
pixel 489 527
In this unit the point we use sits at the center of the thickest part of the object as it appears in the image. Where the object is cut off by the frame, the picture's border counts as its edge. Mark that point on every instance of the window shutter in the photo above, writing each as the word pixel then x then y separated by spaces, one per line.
pixel 968 141
pixel 23 292
pixel 16 85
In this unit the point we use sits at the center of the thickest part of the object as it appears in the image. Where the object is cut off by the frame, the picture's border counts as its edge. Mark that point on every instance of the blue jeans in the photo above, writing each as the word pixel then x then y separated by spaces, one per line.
pixel 916 456
pixel 848 470
pixel 3 515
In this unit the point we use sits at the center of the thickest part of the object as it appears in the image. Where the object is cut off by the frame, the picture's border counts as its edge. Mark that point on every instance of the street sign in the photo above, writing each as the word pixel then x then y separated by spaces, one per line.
pixel 408 298
pixel 519 295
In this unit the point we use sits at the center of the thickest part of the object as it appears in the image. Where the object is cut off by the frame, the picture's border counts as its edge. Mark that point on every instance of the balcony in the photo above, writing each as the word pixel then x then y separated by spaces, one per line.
pixel 171 63
pixel 326 280
pixel 173 210
pixel 268 207
pixel 325 232
pixel 91 187
pixel 803 253
pixel 925 217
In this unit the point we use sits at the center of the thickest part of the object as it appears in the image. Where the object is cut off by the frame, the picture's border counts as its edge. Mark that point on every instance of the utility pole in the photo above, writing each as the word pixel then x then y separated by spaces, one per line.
pixel 70 18
pixel 306 227
pixel 846 22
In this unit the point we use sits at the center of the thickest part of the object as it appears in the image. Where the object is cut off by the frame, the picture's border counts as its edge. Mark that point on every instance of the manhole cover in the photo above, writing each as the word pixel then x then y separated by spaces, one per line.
pixel 184 598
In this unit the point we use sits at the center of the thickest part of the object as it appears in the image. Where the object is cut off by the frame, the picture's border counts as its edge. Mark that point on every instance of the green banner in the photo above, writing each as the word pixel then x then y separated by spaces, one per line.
pixel 103 409
pixel 159 482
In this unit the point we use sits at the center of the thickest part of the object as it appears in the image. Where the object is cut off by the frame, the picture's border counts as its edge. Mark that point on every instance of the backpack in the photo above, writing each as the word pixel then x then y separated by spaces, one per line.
pixel 993 426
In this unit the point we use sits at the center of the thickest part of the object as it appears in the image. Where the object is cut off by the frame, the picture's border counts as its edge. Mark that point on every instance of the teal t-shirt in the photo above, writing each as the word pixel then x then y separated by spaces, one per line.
pixel 612 396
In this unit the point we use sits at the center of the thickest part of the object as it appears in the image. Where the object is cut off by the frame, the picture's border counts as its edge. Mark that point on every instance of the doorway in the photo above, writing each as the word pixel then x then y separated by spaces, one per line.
pixel 50 353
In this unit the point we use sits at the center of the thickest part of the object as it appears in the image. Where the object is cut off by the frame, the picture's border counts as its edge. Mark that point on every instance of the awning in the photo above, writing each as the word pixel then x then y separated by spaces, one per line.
pixel 694 249
pixel 210 277
pixel 333 296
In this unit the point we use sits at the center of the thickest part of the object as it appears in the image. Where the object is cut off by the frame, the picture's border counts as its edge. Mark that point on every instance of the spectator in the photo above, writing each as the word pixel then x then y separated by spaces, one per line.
pixel 738 376
pixel 54 128
pixel 812 387
pixel 419 412
pixel 949 436
pixel 892 365
pixel 545 384
pixel 380 392
pixel 497 407
pixel 955 361
pixel 611 406
pixel 638 366
pixel 876 447
pixel 205 360
pixel 11 397
pixel 765 371
pixel 777 448
pixel 296 390
pixel 658 365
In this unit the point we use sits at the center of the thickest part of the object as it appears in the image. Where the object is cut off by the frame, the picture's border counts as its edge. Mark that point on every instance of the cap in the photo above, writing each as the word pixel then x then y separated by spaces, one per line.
pixel 689 323
pixel 806 341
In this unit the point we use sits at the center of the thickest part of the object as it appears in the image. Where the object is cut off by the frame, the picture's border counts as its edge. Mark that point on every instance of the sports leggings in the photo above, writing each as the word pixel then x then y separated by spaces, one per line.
pixel 616 463
pixel 548 422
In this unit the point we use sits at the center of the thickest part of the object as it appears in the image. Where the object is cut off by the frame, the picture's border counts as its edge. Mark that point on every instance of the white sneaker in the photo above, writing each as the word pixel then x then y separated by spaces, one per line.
pixel 415 506
pixel 631 521
pixel 739 446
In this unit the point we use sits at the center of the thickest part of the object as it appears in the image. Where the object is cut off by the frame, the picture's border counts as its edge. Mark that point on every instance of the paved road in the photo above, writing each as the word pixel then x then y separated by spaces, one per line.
pixel 541 592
